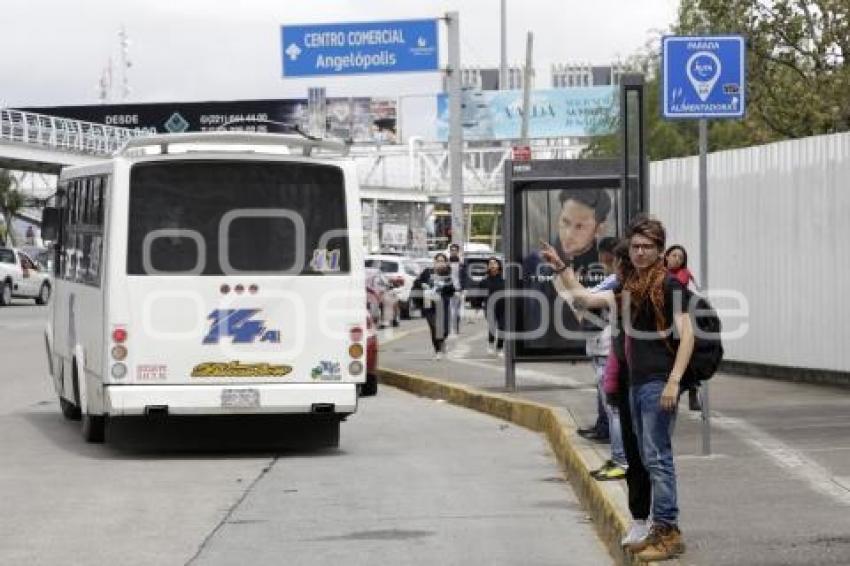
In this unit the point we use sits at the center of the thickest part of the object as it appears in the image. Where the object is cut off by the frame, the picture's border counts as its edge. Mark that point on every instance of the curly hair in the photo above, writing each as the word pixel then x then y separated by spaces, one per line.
pixel 648 284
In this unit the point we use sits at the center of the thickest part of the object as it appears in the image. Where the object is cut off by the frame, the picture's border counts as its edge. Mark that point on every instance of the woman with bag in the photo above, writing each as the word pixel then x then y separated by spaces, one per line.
pixel 433 290
pixel 654 315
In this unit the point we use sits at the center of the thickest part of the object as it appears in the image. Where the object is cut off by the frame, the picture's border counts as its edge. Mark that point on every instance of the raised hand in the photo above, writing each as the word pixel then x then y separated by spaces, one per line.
pixel 550 254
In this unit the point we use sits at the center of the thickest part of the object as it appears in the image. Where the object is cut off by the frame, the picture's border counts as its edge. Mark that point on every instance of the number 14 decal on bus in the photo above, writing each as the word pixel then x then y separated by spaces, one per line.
pixel 239 324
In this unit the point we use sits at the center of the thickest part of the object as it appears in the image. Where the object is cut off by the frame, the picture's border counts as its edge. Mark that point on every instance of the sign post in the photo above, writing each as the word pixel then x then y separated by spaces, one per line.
pixel 704 77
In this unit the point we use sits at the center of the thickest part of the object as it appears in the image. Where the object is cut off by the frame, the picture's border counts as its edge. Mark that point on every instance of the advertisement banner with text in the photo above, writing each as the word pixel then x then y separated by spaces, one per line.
pixel 554 113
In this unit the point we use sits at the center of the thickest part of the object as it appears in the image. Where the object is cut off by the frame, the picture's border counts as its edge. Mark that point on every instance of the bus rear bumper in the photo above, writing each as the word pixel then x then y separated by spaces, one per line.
pixel 230 399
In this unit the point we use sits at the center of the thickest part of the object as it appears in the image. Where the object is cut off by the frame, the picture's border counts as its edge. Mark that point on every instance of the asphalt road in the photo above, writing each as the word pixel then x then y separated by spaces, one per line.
pixel 414 482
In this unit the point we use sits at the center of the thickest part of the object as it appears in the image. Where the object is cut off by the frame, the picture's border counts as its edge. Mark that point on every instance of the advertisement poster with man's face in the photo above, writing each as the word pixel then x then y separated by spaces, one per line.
pixel 580 224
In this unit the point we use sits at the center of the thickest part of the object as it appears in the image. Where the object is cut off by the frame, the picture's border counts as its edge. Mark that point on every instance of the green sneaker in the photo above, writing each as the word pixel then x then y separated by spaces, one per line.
pixel 604 467
pixel 611 471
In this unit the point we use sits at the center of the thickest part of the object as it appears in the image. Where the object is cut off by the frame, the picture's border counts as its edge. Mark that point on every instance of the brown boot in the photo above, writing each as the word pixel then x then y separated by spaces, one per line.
pixel 664 542
pixel 635 547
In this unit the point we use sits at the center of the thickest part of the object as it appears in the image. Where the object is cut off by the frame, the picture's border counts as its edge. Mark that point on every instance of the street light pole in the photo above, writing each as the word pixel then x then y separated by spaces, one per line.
pixel 526 87
pixel 503 61
pixel 455 127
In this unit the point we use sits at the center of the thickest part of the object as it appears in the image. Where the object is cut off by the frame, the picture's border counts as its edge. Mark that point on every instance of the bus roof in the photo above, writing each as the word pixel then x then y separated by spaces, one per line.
pixel 165 141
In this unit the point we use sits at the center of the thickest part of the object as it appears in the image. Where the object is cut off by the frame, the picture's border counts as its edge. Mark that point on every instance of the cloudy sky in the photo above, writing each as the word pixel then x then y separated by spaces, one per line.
pixel 53 52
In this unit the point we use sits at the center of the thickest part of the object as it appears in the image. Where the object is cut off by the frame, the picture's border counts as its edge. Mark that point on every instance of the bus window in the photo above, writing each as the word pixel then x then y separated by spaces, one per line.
pixel 179 209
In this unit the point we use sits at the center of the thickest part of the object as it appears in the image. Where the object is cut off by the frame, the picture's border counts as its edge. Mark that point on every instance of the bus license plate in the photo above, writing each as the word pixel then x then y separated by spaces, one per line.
pixel 240 398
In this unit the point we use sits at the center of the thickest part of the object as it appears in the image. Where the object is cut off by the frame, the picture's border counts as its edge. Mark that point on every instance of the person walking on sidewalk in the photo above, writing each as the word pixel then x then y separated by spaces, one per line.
pixel 653 307
pixel 432 291
pixel 460 282
pixel 494 306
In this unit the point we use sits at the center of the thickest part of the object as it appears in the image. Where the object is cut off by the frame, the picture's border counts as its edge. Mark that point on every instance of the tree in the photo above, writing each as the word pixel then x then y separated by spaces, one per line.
pixel 796 50
pixel 664 138
pixel 796 73
pixel 11 201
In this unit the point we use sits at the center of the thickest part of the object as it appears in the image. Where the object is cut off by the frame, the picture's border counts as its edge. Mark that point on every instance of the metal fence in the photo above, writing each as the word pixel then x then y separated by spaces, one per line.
pixel 61 133
pixel 425 166
pixel 778 226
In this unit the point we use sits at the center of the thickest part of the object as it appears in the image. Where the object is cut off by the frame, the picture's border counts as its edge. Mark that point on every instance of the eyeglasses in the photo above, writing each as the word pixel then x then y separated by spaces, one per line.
pixel 644 247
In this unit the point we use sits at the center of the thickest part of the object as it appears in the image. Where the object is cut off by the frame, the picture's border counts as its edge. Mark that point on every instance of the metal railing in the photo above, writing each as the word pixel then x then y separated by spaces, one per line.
pixel 417 166
pixel 424 166
pixel 61 134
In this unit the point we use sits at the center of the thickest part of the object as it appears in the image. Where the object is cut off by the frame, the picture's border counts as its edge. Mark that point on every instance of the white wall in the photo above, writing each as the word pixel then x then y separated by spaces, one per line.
pixel 779 232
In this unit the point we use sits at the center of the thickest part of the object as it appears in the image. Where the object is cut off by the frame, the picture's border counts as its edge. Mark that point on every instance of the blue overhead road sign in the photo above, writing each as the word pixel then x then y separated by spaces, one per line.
pixel 359 48
pixel 704 77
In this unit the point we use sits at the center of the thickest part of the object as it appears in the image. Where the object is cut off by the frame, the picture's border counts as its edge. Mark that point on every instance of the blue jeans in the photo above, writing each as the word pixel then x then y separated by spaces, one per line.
pixel 456 312
pixel 654 430
pixel 611 414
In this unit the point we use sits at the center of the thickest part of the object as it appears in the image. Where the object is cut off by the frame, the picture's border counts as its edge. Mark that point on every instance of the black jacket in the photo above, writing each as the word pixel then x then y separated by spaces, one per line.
pixel 428 279
pixel 493 285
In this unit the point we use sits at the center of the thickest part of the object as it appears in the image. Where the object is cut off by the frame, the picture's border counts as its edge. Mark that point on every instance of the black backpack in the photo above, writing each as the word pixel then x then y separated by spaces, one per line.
pixel 708 348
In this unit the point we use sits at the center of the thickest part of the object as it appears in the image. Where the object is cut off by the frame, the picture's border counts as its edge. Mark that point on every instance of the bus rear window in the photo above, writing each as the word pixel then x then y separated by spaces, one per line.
pixel 236 217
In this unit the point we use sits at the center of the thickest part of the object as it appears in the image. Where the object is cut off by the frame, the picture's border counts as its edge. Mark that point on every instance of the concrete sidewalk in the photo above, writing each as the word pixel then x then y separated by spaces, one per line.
pixel 775 490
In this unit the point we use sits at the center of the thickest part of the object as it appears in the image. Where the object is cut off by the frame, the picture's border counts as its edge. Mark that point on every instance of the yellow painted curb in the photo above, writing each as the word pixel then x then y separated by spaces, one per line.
pixel 610 522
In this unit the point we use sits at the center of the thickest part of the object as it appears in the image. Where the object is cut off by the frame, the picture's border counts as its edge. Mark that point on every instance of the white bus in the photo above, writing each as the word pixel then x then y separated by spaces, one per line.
pixel 209 274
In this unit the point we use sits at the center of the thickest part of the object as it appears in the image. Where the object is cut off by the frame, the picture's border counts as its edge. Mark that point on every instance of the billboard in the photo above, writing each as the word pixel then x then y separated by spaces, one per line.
pixel 574 219
pixel 394 234
pixel 553 113
pixel 578 207
pixel 362 119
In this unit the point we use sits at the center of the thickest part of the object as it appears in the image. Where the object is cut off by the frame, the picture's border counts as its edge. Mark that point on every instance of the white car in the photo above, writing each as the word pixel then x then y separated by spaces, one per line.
pixel 21 277
pixel 401 272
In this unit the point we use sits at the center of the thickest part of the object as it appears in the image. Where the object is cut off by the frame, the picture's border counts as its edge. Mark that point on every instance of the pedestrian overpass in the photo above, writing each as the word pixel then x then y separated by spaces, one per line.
pixel 38 143
pixel 417 172
pixel 399 183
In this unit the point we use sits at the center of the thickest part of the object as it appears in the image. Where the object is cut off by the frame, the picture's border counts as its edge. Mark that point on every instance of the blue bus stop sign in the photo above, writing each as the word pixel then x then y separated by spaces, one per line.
pixel 359 48
pixel 703 77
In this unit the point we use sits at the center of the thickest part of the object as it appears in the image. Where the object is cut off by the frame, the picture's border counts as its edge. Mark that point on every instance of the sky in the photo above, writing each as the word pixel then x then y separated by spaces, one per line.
pixel 53 52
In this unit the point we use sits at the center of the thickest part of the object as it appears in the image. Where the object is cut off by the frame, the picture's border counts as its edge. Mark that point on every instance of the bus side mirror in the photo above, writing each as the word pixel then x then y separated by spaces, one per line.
pixel 50 223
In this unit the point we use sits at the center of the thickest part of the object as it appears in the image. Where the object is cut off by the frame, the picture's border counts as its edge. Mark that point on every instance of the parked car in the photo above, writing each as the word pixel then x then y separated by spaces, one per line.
pixel 381 299
pixel 401 273
pixel 42 256
pixel 22 277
